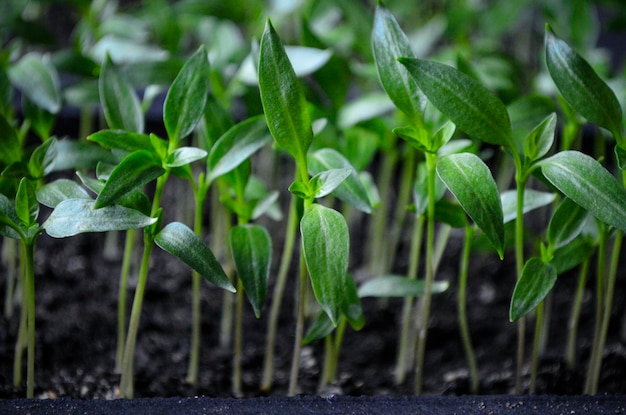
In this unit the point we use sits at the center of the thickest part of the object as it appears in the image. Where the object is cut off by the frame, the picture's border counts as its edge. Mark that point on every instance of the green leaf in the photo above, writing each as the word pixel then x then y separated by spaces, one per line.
pixel 41 121
pixel 38 80
pixel 79 154
pixel 573 253
pixel 582 179
pixel 185 100
pixel 283 99
pixel 468 104
pixel 540 139
pixel 122 139
pixel 75 216
pixel 184 155
pixel 322 327
pixel 351 190
pixel 51 194
pixel 533 199
pixel 237 145
pixel 583 89
pixel 9 221
pixel 10 150
pixel 251 248
pixel 526 113
pixel 566 224
pixel 42 159
pixel 352 309
pixel 180 241
pixel 326 246
pixel 398 286
pixel 121 107
pixel 26 204
pixel 450 213
pixel 326 182
pixel 534 285
pixel 420 190
pixel 364 108
pixel 388 43
pixel 132 173
pixel 471 182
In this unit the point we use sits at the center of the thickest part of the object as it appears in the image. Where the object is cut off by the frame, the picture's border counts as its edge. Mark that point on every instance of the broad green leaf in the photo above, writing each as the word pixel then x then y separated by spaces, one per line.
pixel 75 216
pixel 26 204
pixel 534 285
pixel 180 241
pixel 533 199
pixel 398 286
pixel 9 221
pixel 10 150
pixel 582 179
pixel 282 97
pixel 417 137
pixel 185 100
pixel 566 224
pixel 388 43
pixel 38 80
pixel 468 104
pixel 132 173
pixel 573 253
pixel 351 190
pixel 121 107
pixel 251 248
pixel 470 181
pixel 184 155
pixel 79 154
pixel 121 139
pixel 326 246
pixel 51 194
pixel 364 108
pixel 326 182
pixel 127 51
pixel 540 139
pixel 237 145
pixel 583 89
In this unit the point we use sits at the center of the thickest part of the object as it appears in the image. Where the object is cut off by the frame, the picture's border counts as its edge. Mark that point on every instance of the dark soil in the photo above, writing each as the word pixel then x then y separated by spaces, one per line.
pixel 76 335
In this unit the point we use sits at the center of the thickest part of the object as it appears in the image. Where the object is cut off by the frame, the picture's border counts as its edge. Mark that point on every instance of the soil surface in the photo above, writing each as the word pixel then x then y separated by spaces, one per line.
pixel 76 334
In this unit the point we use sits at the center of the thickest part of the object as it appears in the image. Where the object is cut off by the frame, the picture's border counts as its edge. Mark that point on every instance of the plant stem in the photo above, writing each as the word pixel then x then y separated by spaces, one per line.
pixel 572 324
pixel 519 266
pixel 9 258
pixel 237 388
pixel 404 356
pixel 297 345
pixel 431 162
pixel 536 345
pixel 461 307
pixel 29 302
pixel 279 289
pixel 129 246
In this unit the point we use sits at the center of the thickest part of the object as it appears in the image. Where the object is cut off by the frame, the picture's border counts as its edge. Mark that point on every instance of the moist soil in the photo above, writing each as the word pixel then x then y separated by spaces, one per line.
pixel 77 291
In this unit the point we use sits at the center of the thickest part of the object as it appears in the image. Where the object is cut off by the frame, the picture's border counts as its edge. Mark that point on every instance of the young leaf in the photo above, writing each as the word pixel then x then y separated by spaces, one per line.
pixel 351 190
pixel 566 224
pixel 122 139
pixel 471 182
pixel 533 199
pixel 536 281
pixel 398 286
pixel 237 145
pixel 468 104
pixel 581 86
pixel 327 181
pixel 42 160
pixel 180 241
pixel 38 80
pixel 185 100
pixel 75 216
pixel 132 173
pixel 572 254
pixel 282 97
pixel 26 204
pixel 119 101
pixel 539 141
pixel 252 251
pixel 582 179
pixel 51 194
pixel 322 327
pixel 184 155
pixel 326 245
pixel 388 43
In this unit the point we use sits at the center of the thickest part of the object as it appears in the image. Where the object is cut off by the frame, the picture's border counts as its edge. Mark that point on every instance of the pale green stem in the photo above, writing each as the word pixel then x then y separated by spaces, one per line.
pixel 519 266
pixel 461 304
pixel 129 246
pixel 297 345
pixel 572 324
pixel 9 258
pixel 237 383
pixel 29 302
pixel 534 363
pixel 22 335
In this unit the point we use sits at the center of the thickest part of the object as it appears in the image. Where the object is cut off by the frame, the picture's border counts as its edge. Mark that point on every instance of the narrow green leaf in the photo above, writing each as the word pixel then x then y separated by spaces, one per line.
pixel 534 285
pixel 582 179
pixel 75 216
pixel 132 173
pixel 42 159
pixel 540 139
pixel 351 190
pixel 237 145
pixel 573 253
pixel 51 194
pixel 471 182
pixel 9 221
pixel 579 84
pixel 326 245
pixel 525 114
pixel 121 139
pixel 120 104
pixel 251 247
pixel 282 97
pixel 186 98
pixel 180 241
pixel 398 286
pixel 533 199
pixel 566 224
pixel 326 182
pixel 468 104
pixel 388 43
pixel 322 327
pixel 26 204
pixel 184 155
pixel 352 309
pixel 38 80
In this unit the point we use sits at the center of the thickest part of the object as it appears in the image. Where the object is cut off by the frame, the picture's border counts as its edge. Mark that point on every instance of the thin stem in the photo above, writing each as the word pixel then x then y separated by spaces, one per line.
pixel 29 293
pixel 325 377
pixel 129 246
pixel 237 383
pixel 461 308
pixel 9 258
pixel 536 345
pixel 431 161
pixel 297 345
pixel 519 266
pixel 572 324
